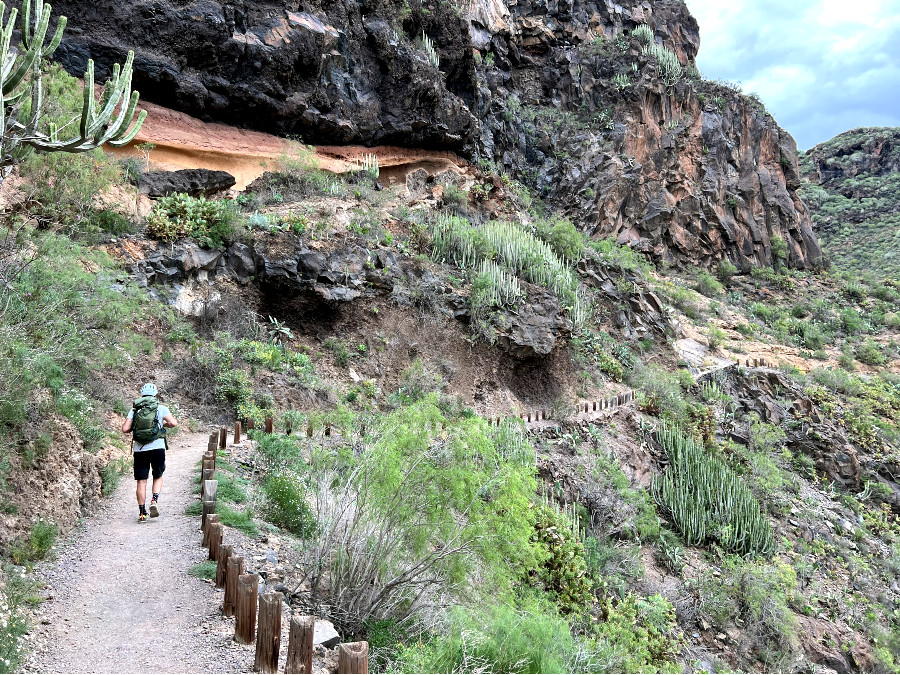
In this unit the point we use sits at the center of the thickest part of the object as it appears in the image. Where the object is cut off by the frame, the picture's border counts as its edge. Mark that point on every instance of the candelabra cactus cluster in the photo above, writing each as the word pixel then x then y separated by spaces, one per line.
pixel 707 500
pixel 108 120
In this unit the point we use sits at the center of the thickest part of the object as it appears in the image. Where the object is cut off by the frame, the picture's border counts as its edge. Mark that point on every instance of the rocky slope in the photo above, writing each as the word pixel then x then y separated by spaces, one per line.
pixel 690 173
pixel 853 192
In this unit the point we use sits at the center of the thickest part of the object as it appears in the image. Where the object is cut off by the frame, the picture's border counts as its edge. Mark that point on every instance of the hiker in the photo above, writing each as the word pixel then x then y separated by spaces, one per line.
pixel 148 421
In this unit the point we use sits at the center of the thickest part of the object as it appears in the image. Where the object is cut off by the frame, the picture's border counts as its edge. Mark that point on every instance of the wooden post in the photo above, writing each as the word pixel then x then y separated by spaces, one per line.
pixel 234 568
pixel 225 553
pixel 211 519
pixel 245 609
pixel 268 634
pixel 309 430
pixel 209 510
pixel 211 446
pixel 209 491
pixel 270 424
pixel 251 425
pixel 300 645
pixel 237 432
pixel 353 657
pixel 223 437
pixel 215 532
pixel 328 428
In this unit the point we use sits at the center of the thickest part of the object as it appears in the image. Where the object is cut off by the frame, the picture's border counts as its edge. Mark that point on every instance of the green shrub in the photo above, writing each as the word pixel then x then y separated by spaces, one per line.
pixel 726 270
pixel 203 570
pixel 16 593
pixel 707 285
pixel 779 251
pixel 757 595
pixel 565 240
pixel 209 221
pixel 286 505
pixel 869 352
pixel 645 632
pixel 660 390
pixel 706 500
pixel 434 500
pixel 455 195
pixel 111 474
pixel 715 338
pixel 563 571
pixel 500 638
pixel 37 545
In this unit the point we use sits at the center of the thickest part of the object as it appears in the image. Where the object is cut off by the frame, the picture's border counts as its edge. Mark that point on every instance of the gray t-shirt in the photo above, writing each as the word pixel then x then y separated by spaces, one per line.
pixel 161 412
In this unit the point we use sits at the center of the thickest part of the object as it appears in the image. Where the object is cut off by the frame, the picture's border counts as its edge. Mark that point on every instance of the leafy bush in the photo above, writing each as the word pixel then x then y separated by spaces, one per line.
pixel 645 633
pixel 563 571
pixel 756 594
pixel 209 221
pixel 500 638
pixel 706 500
pixel 15 593
pixel 660 390
pixel 423 505
pixel 707 285
pixel 286 505
pixel 565 240
pixel 239 520
pixel 779 251
pixel 869 352
pixel 725 271
pixel 37 545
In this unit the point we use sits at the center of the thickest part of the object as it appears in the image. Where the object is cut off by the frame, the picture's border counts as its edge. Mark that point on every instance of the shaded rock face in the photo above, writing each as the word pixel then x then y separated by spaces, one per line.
pixel 195 182
pixel 690 174
pixel 312 280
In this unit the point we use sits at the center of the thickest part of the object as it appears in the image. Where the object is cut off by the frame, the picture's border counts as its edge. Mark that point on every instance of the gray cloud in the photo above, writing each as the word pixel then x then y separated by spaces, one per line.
pixel 820 66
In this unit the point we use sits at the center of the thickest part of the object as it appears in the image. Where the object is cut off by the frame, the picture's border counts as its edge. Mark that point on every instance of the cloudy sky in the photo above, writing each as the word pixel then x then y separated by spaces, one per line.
pixel 820 66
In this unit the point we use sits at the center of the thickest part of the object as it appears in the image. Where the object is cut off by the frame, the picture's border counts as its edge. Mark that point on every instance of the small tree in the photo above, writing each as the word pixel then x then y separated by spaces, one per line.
pixel 22 94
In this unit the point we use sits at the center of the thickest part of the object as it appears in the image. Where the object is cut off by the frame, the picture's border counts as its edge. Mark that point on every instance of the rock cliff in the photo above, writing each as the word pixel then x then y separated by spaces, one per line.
pixel 558 94
pixel 853 192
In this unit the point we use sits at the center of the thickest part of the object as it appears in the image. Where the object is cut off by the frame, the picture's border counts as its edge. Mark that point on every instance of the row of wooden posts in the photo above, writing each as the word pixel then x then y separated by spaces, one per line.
pixel 756 363
pixel 242 590
pixel 587 407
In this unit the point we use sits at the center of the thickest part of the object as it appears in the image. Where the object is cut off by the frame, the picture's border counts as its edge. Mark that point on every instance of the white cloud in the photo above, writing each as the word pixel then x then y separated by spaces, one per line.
pixel 818 65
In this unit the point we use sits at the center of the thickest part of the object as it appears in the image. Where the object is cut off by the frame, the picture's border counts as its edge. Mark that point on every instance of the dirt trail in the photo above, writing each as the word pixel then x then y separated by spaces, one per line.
pixel 122 601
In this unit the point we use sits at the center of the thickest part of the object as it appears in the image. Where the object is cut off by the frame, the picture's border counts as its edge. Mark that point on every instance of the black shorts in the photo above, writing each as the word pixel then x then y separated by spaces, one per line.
pixel 143 461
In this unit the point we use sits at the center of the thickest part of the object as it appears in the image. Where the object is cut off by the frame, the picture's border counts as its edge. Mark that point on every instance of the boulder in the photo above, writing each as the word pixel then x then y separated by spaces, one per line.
pixel 195 182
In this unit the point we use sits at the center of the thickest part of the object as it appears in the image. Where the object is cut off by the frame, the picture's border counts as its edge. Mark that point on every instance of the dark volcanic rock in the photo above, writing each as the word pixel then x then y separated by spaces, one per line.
pixel 689 173
pixel 195 182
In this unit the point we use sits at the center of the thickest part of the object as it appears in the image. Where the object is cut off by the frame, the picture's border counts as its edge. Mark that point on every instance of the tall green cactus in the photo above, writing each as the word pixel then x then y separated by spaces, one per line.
pixel 707 500
pixel 20 72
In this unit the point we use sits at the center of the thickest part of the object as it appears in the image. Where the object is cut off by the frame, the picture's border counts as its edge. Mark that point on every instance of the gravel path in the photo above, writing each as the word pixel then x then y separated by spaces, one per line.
pixel 121 600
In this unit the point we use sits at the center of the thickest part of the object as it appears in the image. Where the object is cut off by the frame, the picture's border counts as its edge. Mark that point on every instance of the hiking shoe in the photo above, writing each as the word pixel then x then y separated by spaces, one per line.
pixel 143 518
pixel 154 509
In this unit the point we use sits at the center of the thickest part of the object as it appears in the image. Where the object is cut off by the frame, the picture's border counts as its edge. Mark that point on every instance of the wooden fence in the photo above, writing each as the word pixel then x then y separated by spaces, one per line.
pixel 257 617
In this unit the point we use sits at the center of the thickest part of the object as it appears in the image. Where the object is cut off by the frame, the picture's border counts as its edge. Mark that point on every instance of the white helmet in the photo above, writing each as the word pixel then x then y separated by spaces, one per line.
pixel 148 389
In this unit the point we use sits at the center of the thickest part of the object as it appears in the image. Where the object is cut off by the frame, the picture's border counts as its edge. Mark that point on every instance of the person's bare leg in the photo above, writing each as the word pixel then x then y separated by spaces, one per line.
pixel 141 492
pixel 157 485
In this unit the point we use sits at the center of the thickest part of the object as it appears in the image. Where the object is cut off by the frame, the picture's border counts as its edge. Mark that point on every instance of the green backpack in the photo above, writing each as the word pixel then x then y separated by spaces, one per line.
pixel 145 428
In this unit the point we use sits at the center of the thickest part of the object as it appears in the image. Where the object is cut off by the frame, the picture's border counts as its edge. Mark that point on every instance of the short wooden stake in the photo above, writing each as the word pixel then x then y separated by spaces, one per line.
pixel 214 537
pixel 328 428
pixel 211 445
pixel 268 634
pixel 234 568
pixel 237 432
pixel 251 425
pixel 245 608
pixel 353 657
pixel 223 438
pixel 270 424
pixel 300 645
pixel 225 553
pixel 309 430
pixel 208 510
pixel 211 519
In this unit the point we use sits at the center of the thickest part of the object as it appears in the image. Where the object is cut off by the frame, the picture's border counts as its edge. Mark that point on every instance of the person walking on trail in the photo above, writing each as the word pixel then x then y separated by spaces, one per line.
pixel 148 421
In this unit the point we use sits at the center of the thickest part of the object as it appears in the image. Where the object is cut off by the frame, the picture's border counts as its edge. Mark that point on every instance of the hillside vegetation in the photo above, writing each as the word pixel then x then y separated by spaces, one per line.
pixel 733 517
pixel 853 190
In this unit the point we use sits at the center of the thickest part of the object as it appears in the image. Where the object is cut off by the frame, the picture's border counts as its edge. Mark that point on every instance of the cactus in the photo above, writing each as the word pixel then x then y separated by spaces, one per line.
pixel 643 34
pixel 668 65
pixel 706 500
pixel 427 45
pixel 20 73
